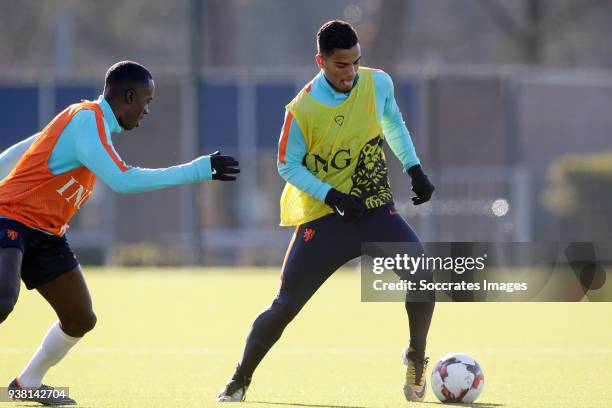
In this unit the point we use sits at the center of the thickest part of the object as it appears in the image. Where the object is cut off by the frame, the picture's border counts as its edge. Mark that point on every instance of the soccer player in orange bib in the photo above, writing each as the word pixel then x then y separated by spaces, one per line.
pixel 52 179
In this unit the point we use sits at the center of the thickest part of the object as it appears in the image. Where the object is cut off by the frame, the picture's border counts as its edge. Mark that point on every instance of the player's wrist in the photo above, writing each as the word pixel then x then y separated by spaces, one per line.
pixel 203 168
pixel 416 171
pixel 333 197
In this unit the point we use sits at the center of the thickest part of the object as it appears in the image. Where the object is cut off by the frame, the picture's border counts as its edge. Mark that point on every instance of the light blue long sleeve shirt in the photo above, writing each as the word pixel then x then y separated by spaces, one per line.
pixel 292 169
pixel 80 145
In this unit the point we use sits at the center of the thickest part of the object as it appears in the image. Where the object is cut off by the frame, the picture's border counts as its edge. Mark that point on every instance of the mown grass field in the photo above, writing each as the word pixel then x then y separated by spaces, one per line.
pixel 171 338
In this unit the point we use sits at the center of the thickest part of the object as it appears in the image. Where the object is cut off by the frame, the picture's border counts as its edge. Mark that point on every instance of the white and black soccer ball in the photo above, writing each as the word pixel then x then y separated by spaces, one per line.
pixel 457 378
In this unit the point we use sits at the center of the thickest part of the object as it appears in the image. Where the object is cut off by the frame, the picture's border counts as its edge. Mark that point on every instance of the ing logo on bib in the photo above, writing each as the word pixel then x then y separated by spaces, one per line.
pixel 340 160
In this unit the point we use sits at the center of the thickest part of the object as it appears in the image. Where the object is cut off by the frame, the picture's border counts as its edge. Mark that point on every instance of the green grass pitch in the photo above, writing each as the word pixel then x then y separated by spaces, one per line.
pixel 171 338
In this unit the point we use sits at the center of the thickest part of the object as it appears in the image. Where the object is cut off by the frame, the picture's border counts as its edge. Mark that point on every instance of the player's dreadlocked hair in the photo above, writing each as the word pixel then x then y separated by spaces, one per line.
pixel 126 74
pixel 335 34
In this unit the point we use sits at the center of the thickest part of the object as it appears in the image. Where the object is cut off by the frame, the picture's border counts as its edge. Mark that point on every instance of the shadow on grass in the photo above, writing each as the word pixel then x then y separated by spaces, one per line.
pixel 473 404
pixel 296 404
pixel 25 404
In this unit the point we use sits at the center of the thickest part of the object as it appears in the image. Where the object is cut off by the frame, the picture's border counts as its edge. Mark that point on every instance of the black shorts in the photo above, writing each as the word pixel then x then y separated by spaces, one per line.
pixel 45 257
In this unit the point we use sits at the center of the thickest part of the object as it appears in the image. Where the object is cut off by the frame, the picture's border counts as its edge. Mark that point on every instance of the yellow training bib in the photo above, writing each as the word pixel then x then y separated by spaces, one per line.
pixel 344 145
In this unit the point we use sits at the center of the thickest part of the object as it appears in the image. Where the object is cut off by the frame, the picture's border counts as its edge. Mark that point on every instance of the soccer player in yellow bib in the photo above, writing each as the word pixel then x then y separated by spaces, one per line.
pixel 337 194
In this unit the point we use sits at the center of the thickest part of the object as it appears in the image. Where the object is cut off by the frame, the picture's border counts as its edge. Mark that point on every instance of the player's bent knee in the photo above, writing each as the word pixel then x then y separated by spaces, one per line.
pixel 91 321
pixel 6 307
pixel 78 326
pixel 88 322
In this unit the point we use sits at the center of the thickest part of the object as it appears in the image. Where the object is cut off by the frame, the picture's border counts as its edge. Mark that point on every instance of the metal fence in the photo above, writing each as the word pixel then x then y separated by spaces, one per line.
pixel 486 138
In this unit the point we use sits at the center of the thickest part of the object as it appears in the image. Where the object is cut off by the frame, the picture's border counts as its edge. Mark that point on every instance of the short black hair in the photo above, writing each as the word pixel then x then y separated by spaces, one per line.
pixel 126 74
pixel 335 34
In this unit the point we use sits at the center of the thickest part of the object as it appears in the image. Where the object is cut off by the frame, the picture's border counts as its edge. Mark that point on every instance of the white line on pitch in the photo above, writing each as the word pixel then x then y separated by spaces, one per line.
pixel 318 350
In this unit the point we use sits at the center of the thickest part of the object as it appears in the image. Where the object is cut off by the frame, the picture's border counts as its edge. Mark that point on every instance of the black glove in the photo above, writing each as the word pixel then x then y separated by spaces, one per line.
pixel 222 166
pixel 421 185
pixel 348 207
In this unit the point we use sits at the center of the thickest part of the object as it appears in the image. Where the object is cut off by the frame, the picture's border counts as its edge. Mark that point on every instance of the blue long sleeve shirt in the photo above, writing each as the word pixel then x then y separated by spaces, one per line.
pixel 80 145
pixel 292 169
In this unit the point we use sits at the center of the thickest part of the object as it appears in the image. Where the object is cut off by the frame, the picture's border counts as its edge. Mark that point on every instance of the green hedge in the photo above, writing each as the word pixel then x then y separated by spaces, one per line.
pixel 581 195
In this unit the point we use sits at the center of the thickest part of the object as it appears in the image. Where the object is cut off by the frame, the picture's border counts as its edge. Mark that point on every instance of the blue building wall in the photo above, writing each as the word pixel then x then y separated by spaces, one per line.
pixel 18 113
pixel 218 112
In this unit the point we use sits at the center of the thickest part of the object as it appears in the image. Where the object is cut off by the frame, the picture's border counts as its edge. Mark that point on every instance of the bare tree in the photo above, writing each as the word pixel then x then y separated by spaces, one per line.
pixel 539 23
pixel 391 19
pixel 220 32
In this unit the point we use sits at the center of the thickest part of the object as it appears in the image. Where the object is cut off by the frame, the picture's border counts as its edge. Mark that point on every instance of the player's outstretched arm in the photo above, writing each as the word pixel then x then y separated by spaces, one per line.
pixel 10 157
pixel 95 151
pixel 136 180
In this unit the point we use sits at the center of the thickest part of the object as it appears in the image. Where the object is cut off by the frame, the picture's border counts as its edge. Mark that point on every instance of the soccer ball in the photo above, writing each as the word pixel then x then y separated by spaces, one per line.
pixel 457 378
